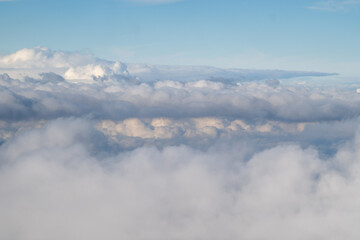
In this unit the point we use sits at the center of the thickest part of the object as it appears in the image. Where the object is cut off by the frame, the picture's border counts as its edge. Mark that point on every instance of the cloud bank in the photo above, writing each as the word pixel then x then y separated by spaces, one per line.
pixel 54 176
pixel 75 66
pixel 96 149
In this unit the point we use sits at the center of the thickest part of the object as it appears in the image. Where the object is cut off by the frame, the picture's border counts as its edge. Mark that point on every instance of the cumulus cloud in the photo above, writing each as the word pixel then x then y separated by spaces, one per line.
pixel 84 73
pixel 40 57
pixel 86 67
pixel 73 66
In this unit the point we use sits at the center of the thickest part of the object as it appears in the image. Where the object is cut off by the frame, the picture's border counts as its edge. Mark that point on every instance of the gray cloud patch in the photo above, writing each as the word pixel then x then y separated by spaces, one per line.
pixel 51 97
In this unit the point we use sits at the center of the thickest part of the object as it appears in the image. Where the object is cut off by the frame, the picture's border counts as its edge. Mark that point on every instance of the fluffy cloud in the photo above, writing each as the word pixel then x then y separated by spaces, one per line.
pixel 95 72
pixel 87 68
pixel 73 66
pixel 44 58
pixel 41 98
pixel 96 149
pixel 199 113
pixel 54 184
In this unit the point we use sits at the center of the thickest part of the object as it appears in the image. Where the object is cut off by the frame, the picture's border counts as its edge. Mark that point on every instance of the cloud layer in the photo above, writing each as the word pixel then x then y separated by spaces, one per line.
pixel 75 66
pixel 96 149
pixel 54 186
pixel 52 96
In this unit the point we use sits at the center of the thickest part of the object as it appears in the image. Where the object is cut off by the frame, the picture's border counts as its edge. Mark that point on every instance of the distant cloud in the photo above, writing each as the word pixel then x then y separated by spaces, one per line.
pixel 75 65
pixel 119 97
pixel 335 5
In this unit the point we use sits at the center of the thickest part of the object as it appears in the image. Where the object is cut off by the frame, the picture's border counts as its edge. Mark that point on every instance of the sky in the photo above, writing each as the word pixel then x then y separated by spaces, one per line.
pixel 309 35
pixel 188 119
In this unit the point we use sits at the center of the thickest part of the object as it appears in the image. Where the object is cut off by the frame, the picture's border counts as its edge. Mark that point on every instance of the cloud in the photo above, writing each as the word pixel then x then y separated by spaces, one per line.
pixel 78 67
pixel 73 66
pixel 40 57
pixel 53 175
pixel 118 97
pixel 193 73
pixel 118 100
pixel 335 5
pixel 97 149
pixel 93 72
pixel 198 113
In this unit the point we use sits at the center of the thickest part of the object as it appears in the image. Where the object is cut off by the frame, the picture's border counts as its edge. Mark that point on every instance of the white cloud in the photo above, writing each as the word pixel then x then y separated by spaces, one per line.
pixel 74 65
pixel 40 57
pixel 117 97
pixel 89 73
pixel 198 113
pixel 53 175
pixel 96 149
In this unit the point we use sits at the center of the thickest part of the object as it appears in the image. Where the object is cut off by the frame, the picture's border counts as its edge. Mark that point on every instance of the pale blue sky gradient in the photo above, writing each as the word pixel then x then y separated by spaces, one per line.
pixel 281 34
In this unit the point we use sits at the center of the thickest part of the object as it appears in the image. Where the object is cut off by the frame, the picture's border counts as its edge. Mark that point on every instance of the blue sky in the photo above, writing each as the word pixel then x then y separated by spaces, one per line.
pixel 282 34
